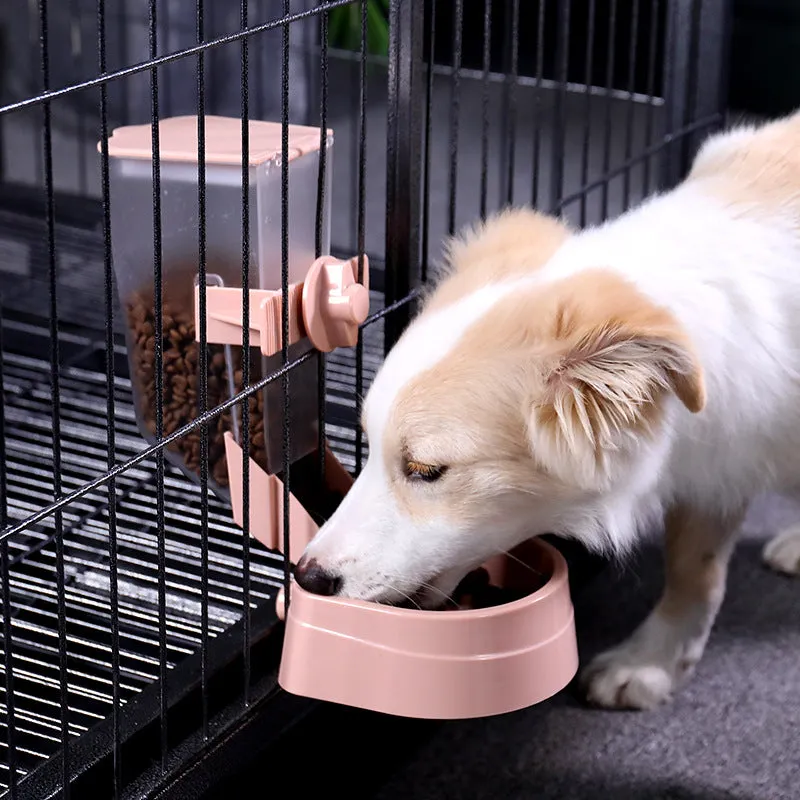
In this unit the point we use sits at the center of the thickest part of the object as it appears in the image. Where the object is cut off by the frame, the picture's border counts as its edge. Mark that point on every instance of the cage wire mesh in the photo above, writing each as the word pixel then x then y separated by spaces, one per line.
pixel 128 594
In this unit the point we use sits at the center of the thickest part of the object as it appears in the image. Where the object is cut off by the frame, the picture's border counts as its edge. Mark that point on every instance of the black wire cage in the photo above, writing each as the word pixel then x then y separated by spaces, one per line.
pixel 139 628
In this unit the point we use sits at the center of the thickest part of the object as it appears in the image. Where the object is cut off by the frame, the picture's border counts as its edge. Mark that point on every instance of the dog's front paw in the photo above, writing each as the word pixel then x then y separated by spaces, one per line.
pixel 644 671
pixel 783 552
pixel 619 679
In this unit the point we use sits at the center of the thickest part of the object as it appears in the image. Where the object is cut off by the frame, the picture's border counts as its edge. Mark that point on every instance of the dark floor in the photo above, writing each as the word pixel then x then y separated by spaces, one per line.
pixel 734 731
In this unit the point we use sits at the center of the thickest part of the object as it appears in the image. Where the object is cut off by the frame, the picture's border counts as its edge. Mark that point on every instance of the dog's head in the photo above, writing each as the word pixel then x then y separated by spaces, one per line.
pixel 515 404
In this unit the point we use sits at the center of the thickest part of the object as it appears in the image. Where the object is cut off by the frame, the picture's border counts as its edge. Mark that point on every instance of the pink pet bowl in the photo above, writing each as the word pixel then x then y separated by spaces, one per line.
pixel 438 664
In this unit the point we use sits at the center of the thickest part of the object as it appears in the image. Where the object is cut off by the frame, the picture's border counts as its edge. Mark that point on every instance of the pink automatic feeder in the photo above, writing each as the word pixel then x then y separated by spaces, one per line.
pixel 429 664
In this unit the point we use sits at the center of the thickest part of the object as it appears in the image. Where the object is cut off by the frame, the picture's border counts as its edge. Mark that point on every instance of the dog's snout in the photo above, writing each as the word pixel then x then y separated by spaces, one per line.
pixel 315 579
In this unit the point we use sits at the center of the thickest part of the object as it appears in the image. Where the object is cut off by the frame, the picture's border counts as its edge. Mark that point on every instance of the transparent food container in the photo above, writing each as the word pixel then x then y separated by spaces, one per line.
pixel 132 221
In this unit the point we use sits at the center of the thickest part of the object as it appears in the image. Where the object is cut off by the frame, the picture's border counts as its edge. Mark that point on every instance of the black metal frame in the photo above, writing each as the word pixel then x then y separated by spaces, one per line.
pixel 178 729
pixel 404 161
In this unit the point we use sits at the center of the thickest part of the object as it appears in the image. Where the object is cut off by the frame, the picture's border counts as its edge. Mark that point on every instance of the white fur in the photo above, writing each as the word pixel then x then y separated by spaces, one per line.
pixel 733 282
pixel 732 278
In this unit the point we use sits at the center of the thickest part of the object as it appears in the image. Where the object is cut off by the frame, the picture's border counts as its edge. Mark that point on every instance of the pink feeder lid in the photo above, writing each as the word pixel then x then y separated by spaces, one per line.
pixel 178 140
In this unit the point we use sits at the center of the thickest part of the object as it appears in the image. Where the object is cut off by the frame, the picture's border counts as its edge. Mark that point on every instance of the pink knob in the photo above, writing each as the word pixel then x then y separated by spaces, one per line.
pixel 352 306
pixel 334 303
pixel 359 302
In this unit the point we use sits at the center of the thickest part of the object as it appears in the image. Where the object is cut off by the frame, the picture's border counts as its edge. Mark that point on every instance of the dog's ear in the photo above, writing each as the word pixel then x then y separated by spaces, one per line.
pixel 602 388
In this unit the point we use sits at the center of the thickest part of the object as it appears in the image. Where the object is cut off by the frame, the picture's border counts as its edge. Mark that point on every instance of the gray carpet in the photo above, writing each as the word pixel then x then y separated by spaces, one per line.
pixel 733 732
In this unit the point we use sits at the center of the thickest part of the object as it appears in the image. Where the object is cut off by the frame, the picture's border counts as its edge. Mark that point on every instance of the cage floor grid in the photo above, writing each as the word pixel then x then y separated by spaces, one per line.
pixel 33 599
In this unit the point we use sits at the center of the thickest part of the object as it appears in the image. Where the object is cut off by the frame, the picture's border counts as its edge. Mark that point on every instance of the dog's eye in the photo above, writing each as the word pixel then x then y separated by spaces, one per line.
pixel 423 472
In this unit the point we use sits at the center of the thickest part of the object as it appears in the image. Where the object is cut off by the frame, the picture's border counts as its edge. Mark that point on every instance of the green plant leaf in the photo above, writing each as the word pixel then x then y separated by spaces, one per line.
pixel 378 27
pixel 336 24
pixel 344 27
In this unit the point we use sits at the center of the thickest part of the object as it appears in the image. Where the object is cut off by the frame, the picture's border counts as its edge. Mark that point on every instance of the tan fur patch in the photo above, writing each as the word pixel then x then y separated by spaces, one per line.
pixel 514 242
pixel 759 168
pixel 698 545
pixel 592 340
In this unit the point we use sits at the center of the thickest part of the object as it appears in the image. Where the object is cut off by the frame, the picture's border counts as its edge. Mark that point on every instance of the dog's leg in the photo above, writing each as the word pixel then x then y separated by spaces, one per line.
pixel 783 552
pixel 645 670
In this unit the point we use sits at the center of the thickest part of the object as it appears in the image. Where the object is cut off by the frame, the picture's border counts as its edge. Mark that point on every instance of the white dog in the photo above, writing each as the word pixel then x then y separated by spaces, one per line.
pixel 587 384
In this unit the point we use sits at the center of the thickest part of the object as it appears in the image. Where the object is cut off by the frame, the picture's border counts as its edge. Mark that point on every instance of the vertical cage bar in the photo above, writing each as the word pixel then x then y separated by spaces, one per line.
pixel 35 66
pixel 3 476
pixel 108 285
pixel 8 646
pixel 321 180
pixel 122 33
pixel 261 65
pixel 537 109
pixel 487 56
pixel 694 87
pixel 559 109
pixel 651 90
pixel 455 100
pixel 202 359
pixel 403 159
pixel 159 383
pixel 76 49
pixel 8 663
pixel 396 281
pixel 362 201
pixel 609 107
pixel 626 175
pixel 503 155
pixel 245 101
pixel 55 395
pixel 428 139
pixel 308 47
pixel 587 122
pixel 362 140
pixel 678 56
pixel 711 66
pixel 286 377
pixel 353 86
pixel 510 117
pixel 166 77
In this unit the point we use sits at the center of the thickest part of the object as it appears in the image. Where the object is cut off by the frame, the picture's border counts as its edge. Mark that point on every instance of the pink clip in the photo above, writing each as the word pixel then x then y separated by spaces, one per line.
pixel 327 307
pixel 266 505
pixel 266 500
pixel 224 316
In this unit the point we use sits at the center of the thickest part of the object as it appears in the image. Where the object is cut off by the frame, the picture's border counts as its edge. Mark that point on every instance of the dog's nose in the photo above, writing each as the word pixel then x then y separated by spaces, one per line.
pixel 313 578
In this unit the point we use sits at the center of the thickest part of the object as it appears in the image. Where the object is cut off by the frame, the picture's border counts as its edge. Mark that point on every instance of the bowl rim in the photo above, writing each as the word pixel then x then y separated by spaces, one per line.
pixel 556 582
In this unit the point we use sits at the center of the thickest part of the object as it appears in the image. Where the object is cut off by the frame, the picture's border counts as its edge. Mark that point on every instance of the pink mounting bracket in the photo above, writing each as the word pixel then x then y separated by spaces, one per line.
pixel 327 307
pixel 266 501
pixel 266 505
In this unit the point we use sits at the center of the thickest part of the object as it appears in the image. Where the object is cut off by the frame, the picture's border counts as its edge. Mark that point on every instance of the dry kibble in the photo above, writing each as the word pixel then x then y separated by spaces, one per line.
pixel 181 382
pixel 476 591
